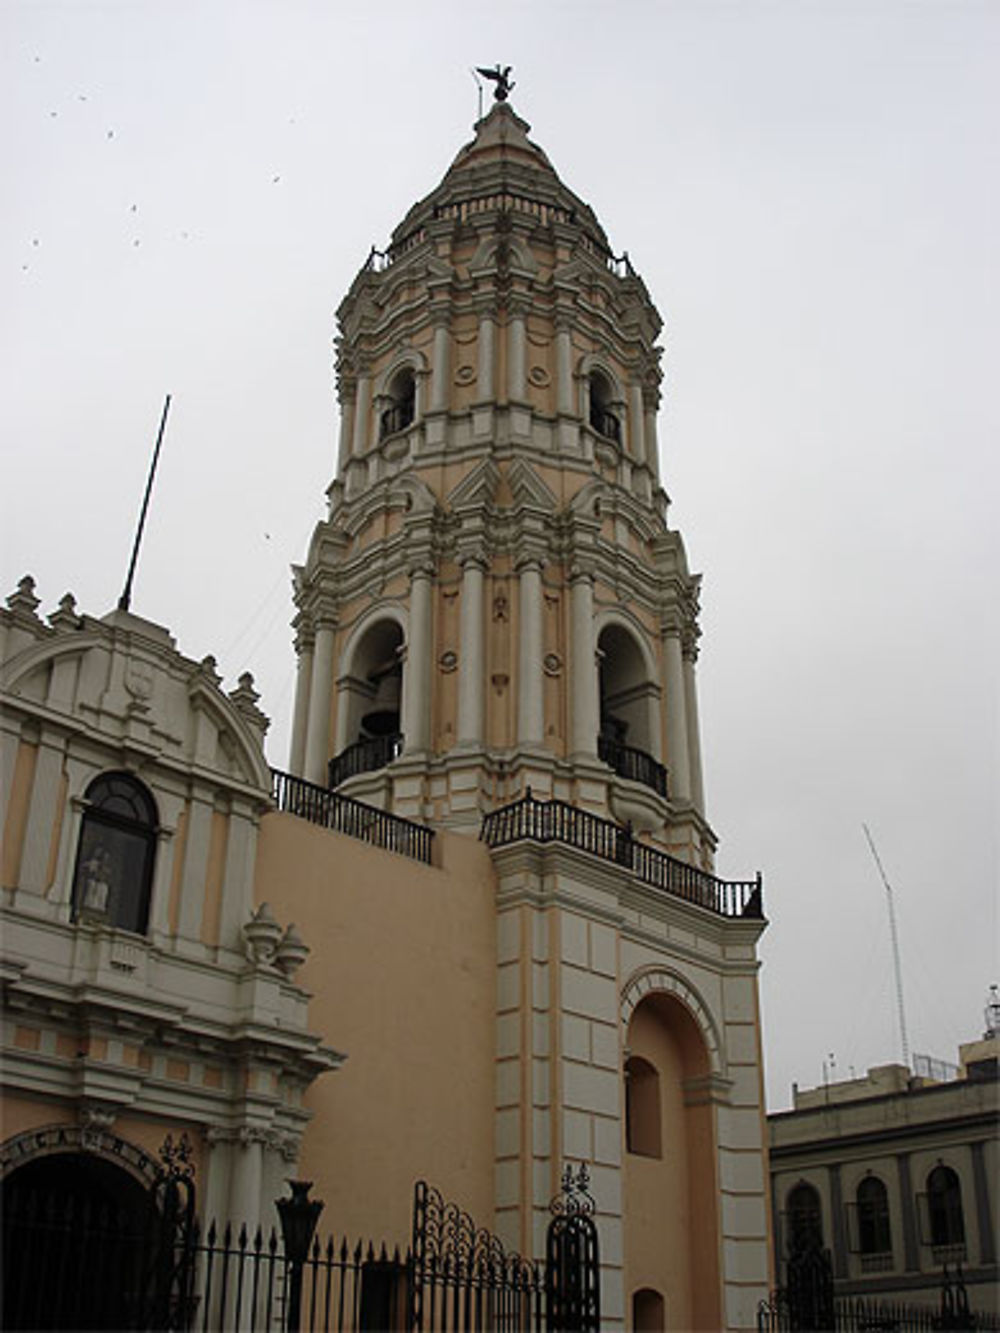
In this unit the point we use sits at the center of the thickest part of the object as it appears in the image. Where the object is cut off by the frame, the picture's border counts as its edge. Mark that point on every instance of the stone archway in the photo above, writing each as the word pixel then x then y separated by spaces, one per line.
pixel 76 1231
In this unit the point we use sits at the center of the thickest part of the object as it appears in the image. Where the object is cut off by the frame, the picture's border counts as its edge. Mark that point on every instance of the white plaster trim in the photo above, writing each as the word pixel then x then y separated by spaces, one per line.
pixel 665 981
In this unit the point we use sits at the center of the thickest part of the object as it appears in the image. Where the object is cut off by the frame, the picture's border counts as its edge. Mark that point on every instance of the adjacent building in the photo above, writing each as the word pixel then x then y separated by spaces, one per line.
pixel 897 1176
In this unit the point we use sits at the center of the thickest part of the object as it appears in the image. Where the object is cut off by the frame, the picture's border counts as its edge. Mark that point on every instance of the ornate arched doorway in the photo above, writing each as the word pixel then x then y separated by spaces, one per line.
pixel 75 1232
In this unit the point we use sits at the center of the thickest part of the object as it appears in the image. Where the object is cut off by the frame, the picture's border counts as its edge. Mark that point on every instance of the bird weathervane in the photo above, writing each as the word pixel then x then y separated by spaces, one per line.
pixel 501 77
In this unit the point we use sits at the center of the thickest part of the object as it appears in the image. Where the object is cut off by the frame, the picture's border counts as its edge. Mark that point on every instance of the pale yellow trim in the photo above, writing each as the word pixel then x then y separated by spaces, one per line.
pixel 17 813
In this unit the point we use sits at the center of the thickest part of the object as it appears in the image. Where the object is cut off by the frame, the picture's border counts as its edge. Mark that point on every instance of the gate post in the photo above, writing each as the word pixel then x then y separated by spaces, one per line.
pixel 572 1259
pixel 299 1216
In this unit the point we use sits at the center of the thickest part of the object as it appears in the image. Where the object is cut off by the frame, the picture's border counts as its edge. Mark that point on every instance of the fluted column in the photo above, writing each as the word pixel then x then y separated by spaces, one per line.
pixel 693 734
pixel 564 371
pixel 637 422
pixel 471 690
pixel 486 367
pixel 516 357
pixel 416 671
pixel 346 427
pixel 439 368
pixel 678 760
pixel 530 697
pixel 300 716
pixel 320 687
pixel 362 409
pixel 584 679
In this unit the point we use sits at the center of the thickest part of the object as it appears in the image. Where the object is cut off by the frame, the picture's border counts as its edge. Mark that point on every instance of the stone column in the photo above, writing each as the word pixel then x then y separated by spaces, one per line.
pixel 651 445
pixel 837 1222
pixel 980 1182
pixel 320 686
pixel 471 660
pixel 530 696
pixel 516 357
pixel 346 427
pixel 244 1195
pixel 584 701
pixel 46 793
pixel 439 369
pixel 693 733
pixel 485 370
pixel 678 759
pixel 300 717
pixel 416 671
pixel 362 411
pixel 636 420
pixel 564 371
pixel 911 1250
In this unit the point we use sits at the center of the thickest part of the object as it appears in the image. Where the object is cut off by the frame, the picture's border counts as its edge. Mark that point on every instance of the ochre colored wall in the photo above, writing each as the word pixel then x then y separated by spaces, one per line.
pixel 671 1216
pixel 402 973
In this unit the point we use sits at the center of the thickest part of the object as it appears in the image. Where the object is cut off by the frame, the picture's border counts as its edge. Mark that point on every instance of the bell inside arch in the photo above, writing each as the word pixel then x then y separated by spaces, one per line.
pixel 382 718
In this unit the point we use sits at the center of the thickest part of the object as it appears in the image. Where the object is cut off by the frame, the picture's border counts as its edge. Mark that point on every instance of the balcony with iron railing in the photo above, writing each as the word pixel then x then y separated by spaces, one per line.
pixel 343 814
pixel 531 820
pixel 630 762
pixel 606 424
pixel 366 755
pixel 396 418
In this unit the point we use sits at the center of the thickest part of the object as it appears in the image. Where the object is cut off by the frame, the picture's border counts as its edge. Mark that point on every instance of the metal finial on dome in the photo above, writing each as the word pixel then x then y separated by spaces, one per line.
pixel 501 77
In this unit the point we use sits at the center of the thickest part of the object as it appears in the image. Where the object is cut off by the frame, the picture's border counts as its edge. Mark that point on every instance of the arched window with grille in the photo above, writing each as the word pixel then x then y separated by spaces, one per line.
pixel 944 1212
pixel 874 1231
pixel 803 1219
pixel 115 856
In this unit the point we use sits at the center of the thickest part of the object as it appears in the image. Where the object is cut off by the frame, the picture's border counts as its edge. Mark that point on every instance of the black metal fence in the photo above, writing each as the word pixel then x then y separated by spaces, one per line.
pixel 156 1269
pixel 343 814
pixel 556 821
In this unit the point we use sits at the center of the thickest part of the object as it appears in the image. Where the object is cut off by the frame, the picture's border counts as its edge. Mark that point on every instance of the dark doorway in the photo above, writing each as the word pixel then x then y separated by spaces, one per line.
pixel 75 1233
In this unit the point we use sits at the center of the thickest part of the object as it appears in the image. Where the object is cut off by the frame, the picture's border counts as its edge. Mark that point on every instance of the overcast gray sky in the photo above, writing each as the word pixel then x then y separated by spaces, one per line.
pixel 810 192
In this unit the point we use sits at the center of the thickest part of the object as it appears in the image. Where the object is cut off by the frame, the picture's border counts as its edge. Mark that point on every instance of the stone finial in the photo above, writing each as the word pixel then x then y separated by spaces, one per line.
pixel 244 699
pixel 262 934
pixel 291 953
pixel 23 599
pixel 208 668
pixel 65 616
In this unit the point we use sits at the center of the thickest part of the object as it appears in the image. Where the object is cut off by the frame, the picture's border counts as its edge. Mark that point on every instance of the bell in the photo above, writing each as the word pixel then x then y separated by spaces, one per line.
pixel 382 719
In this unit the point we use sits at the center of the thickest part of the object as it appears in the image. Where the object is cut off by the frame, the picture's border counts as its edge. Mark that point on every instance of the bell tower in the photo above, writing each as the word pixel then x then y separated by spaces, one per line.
pixel 495 600
pixel 497 633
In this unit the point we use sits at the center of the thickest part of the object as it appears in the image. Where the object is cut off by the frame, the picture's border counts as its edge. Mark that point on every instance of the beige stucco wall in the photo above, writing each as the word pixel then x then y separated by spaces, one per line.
pixel 402 975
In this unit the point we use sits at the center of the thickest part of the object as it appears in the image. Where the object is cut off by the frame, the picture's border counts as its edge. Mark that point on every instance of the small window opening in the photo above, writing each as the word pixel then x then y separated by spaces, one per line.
pixel 642 1108
pixel 402 406
pixel 647 1311
pixel 602 416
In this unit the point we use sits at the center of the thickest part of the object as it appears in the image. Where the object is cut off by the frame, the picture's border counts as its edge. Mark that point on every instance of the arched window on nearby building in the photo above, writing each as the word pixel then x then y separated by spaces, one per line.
pixel 603 418
pixel 803 1219
pixel 648 1314
pixel 874 1234
pixel 944 1213
pixel 642 1108
pixel 399 414
pixel 115 855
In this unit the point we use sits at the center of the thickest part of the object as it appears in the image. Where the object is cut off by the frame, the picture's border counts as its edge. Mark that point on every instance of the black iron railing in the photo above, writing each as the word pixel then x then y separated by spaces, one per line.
pixel 364 756
pixel 556 821
pixel 395 418
pixel 630 762
pixel 606 424
pixel 343 814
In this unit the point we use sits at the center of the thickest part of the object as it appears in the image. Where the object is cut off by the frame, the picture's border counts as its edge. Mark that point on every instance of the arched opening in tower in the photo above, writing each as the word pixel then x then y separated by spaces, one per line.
pixel 402 405
pixel 672 1222
pixel 371 699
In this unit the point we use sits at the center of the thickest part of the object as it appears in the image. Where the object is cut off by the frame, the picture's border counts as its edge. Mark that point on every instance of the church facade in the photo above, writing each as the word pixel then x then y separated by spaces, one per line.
pixel 509 949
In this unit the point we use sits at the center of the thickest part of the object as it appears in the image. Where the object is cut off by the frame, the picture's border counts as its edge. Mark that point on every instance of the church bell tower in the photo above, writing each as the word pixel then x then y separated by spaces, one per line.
pixel 495 601
pixel 497 636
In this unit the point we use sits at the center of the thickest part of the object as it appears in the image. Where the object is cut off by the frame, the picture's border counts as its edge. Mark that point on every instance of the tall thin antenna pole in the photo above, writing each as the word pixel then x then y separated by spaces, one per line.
pixel 895 950
pixel 125 599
